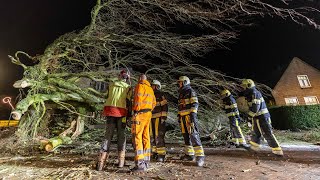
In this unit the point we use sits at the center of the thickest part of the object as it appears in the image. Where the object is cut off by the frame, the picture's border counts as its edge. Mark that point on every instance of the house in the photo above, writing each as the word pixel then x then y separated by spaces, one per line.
pixel 299 85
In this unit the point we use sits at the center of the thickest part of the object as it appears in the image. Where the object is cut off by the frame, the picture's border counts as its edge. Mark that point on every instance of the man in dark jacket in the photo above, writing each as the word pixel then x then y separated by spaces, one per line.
pixel 231 109
pixel 187 114
pixel 261 119
pixel 158 122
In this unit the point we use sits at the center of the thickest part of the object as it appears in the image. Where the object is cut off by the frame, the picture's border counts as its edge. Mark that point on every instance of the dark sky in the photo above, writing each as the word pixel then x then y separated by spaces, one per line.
pixel 262 52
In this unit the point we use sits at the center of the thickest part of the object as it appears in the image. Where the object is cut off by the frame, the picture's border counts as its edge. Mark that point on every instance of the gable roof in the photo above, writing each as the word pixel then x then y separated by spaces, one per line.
pixel 293 61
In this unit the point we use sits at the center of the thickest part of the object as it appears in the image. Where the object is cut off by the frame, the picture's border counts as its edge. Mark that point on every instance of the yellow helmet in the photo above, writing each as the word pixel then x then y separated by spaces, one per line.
pixel 247 83
pixel 225 93
pixel 157 83
pixel 184 79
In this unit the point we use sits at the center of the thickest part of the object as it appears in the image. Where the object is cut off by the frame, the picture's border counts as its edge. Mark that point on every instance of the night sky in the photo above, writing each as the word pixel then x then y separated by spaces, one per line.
pixel 262 52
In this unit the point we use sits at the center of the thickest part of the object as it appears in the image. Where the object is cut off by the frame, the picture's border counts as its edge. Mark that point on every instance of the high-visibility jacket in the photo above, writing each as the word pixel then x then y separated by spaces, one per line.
pixel 188 101
pixel 144 99
pixel 230 106
pixel 161 109
pixel 256 103
pixel 117 95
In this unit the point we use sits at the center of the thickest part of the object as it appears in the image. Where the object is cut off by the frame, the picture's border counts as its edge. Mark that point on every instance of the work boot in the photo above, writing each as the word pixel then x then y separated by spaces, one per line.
pixel 121 158
pixel 160 158
pixel 141 167
pixel 254 148
pixel 278 152
pixel 103 156
pixel 187 157
pixel 200 161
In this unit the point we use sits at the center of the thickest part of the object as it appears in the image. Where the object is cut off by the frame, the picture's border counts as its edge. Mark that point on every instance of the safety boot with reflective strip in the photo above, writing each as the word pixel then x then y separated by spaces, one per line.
pixel 254 146
pixel 277 151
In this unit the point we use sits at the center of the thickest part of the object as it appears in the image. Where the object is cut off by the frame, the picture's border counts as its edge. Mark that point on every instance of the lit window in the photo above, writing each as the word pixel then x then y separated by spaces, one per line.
pixel 291 101
pixel 310 100
pixel 304 81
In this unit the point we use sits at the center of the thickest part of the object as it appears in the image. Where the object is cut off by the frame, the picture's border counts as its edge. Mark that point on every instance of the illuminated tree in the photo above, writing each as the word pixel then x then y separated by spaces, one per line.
pixel 163 38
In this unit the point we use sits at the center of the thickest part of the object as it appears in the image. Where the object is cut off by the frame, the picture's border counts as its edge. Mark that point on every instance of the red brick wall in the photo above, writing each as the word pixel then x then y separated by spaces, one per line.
pixel 288 85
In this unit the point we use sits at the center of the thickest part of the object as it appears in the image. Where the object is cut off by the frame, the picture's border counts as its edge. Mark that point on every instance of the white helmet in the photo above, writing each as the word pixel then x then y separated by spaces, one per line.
pixel 185 80
pixel 157 83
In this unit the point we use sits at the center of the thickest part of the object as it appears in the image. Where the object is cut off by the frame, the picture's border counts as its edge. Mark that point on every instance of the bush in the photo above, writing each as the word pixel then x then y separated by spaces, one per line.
pixel 295 117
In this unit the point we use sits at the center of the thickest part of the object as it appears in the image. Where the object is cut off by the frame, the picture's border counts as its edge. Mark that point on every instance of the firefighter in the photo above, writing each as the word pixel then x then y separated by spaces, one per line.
pixel 158 126
pixel 231 109
pixel 143 103
pixel 260 117
pixel 115 112
pixel 187 114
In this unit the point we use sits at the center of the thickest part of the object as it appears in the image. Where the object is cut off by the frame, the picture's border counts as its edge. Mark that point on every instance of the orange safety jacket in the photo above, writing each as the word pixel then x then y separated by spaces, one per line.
pixel 144 99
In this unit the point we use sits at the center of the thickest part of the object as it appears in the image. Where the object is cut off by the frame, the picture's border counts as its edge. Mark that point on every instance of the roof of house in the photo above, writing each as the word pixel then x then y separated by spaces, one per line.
pixel 298 60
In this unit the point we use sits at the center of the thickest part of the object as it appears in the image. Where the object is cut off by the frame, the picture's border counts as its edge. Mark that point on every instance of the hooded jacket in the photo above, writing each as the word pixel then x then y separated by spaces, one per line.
pixel 117 95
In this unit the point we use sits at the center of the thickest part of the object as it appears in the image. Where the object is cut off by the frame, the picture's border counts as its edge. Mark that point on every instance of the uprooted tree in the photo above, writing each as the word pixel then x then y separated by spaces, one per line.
pixel 159 37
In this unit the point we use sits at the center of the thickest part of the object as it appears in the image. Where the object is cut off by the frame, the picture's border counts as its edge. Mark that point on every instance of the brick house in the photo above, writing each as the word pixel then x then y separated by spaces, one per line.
pixel 299 85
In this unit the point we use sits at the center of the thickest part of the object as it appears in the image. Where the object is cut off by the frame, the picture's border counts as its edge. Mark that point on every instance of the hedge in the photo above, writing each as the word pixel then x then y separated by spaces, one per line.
pixel 295 117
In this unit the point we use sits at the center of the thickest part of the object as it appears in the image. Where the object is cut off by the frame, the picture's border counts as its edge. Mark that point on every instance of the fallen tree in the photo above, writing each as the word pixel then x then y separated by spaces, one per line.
pixel 161 38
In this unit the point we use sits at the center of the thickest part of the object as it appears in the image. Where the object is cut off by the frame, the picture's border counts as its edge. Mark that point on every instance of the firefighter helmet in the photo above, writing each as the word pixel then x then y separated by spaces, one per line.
pixel 225 93
pixel 184 79
pixel 247 83
pixel 157 83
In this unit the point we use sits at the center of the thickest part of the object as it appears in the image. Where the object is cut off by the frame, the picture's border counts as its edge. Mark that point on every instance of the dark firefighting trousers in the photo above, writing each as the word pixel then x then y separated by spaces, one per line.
pixel 140 130
pixel 236 133
pixel 191 136
pixel 112 124
pixel 157 132
pixel 262 126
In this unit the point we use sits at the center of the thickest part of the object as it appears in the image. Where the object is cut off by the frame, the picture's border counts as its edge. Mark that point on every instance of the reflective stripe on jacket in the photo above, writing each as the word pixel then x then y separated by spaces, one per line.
pixel 230 106
pixel 256 103
pixel 188 101
pixel 144 98
pixel 161 109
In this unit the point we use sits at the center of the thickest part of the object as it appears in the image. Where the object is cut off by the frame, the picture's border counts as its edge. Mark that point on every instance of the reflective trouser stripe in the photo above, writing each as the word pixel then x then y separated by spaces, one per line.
pixel 161 150
pixel 141 136
pixel 188 150
pixel 198 151
pixel 154 149
pixel 186 125
pixel 156 128
pixel 258 125
pixel 277 149
pixel 147 154
pixel 182 125
pixel 139 155
pixel 241 140
pixel 254 144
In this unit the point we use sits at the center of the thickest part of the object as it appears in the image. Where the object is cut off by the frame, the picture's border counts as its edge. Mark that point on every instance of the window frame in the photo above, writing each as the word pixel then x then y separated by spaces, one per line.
pixel 287 99
pixel 315 97
pixel 302 79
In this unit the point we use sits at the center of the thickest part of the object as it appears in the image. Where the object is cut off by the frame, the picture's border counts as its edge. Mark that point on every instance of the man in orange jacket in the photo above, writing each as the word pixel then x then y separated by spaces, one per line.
pixel 143 103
